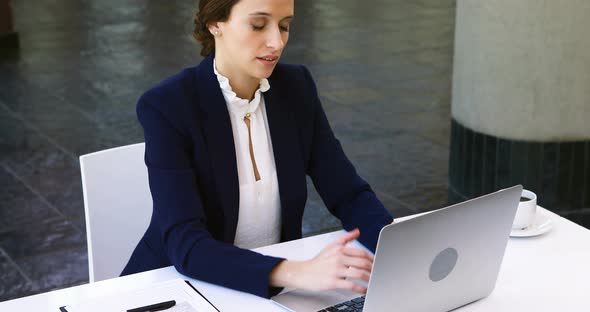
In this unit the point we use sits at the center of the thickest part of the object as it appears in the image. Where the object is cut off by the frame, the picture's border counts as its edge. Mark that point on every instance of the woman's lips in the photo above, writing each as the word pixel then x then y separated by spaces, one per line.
pixel 269 60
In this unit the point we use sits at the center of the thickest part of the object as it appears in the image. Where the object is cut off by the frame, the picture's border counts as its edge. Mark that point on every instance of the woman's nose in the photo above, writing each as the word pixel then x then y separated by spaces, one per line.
pixel 275 40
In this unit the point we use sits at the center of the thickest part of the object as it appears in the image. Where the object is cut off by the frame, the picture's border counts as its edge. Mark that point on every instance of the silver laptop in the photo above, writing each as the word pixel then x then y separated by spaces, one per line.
pixel 437 261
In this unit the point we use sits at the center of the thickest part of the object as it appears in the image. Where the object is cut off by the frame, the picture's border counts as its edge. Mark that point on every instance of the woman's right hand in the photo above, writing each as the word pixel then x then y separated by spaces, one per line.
pixel 332 268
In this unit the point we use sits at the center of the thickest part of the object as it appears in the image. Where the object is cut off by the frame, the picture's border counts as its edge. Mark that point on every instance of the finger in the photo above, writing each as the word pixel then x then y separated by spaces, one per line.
pixel 356 274
pixel 358 263
pixel 356 252
pixel 349 285
pixel 350 236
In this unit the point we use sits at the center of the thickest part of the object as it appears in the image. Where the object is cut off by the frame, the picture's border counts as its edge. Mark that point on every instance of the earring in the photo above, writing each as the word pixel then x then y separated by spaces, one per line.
pixel 216 33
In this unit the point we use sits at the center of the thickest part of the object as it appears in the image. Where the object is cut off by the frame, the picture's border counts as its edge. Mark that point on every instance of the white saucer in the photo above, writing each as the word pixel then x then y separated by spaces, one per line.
pixel 541 225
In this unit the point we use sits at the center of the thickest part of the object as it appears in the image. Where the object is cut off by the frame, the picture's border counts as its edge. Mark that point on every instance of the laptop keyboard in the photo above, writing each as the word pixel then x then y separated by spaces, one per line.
pixel 354 305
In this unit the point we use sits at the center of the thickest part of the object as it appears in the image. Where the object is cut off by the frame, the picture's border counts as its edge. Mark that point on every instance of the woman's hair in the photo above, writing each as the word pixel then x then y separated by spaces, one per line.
pixel 210 11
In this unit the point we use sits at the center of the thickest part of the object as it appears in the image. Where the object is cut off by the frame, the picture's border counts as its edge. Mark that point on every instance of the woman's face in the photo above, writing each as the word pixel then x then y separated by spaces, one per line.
pixel 253 37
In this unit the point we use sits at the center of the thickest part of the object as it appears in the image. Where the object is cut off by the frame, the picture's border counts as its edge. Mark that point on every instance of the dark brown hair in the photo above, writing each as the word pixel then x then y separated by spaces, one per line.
pixel 210 11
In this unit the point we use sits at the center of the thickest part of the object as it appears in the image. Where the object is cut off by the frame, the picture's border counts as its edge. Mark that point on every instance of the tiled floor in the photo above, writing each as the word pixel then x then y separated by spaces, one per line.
pixel 383 69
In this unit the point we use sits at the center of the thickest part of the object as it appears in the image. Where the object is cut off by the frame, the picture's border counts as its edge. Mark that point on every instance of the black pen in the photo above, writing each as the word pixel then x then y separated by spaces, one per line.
pixel 155 307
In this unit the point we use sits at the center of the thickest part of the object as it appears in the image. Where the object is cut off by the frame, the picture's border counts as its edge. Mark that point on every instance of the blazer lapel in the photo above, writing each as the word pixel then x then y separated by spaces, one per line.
pixel 288 161
pixel 220 142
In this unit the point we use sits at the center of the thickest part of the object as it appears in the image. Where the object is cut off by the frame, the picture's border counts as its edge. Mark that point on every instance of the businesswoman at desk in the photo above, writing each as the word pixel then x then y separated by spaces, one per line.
pixel 228 146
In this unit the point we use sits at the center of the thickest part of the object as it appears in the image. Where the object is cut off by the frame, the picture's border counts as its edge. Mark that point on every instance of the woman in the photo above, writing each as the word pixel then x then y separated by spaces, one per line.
pixel 228 146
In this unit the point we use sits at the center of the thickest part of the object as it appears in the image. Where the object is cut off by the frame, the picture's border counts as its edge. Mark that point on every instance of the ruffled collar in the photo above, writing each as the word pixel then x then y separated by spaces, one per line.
pixel 235 104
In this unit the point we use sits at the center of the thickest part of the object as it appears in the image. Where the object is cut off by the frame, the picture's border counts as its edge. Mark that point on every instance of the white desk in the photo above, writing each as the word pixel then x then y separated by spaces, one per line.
pixel 546 273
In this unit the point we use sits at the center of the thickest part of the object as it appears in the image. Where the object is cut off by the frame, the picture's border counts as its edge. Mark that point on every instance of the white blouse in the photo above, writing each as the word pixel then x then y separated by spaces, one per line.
pixel 259 220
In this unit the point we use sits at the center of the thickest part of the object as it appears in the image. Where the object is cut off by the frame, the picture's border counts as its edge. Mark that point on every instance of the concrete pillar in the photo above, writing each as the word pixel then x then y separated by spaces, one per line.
pixel 8 37
pixel 521 101
pixel 5 17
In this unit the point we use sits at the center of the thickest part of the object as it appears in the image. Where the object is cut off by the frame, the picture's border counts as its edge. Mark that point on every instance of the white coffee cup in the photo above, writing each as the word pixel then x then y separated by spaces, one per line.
pixel 527 207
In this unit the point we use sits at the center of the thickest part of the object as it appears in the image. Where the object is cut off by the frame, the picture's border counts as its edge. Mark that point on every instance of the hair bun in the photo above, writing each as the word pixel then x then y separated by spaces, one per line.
pixel 201 34
pixel 210 11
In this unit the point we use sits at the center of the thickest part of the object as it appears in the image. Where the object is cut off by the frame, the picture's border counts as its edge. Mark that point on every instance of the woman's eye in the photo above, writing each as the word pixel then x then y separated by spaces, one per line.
pixel 261 27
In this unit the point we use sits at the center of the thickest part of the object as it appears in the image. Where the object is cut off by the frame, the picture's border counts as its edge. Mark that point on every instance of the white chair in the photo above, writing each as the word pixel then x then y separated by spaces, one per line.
pixel 118 207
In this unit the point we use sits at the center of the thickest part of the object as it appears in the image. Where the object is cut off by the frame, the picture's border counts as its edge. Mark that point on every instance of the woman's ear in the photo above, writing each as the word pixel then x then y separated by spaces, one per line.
pixel 214 29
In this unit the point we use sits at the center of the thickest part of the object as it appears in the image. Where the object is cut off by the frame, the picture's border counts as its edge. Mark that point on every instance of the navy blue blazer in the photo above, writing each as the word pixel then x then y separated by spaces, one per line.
pixel 193 176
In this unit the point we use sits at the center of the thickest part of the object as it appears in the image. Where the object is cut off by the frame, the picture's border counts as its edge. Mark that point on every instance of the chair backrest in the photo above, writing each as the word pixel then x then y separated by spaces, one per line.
pixel 118 207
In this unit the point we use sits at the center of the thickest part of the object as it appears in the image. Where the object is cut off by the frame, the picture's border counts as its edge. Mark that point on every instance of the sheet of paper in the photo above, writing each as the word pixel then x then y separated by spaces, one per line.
pixel 187 299
pixel 182 307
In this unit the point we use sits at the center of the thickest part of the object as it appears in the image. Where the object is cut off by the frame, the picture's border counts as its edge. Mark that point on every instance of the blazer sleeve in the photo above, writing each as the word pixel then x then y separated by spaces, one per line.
pixel 179 216
pixel 344 192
